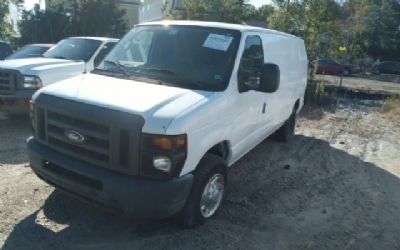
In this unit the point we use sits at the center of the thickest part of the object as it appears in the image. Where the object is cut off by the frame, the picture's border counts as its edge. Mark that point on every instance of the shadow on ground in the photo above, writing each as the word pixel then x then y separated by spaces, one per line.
pixel 303 195
pixel 14 130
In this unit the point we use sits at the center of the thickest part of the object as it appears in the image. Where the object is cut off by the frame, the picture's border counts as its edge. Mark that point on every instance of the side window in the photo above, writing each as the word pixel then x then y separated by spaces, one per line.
pixel 103 52
pixel 252 62
pixel 331 62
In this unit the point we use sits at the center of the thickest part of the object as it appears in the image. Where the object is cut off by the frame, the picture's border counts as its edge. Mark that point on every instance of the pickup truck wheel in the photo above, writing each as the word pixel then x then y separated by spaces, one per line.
pixel 208 190
pixel 286 132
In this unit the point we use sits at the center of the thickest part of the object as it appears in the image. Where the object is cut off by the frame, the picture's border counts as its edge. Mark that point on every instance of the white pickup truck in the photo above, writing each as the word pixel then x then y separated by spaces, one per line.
pixel 20 78
pixel 153 130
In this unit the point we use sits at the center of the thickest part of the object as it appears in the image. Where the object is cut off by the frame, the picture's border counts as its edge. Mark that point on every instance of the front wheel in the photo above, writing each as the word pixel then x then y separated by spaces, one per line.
pixel 208 190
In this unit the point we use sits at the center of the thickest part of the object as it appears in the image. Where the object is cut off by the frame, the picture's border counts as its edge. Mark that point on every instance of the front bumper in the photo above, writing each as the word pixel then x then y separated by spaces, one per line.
pixel 16 102
pixel 19 94
pixel 135 197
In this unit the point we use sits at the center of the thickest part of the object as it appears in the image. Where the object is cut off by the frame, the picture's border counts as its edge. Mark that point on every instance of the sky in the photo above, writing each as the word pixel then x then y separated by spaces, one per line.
pixel 30 3
pixel 259 3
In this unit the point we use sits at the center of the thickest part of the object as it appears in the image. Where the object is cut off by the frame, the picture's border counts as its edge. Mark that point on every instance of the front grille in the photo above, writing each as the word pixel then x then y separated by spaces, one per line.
pixel 8 81
pixel 111 137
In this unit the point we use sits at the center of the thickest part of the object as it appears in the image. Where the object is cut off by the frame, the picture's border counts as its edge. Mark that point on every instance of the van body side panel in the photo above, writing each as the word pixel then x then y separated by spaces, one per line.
pixel 284 51
pixel 224 116
pixel 237 117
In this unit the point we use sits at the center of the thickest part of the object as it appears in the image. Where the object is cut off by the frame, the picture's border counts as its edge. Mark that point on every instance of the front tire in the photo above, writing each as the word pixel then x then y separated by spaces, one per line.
pixel 208 190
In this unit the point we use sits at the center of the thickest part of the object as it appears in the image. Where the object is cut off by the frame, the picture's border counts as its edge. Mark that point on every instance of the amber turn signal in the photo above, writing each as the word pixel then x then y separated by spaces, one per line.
pixel 170 142
pixel 181 142
pixel 165 143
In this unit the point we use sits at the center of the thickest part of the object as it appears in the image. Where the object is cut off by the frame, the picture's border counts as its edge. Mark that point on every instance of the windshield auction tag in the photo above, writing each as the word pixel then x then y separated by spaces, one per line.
pixel 218 42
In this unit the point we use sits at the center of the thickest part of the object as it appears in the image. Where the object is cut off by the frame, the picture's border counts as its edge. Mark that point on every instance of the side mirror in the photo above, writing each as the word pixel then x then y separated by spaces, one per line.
pixel 270 78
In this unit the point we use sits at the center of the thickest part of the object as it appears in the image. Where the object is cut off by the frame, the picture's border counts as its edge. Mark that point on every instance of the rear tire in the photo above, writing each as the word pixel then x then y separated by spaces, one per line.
pixel 209 186
pixel 286 132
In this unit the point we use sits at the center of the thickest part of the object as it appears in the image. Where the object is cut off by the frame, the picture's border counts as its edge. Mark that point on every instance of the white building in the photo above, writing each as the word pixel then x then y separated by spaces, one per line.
pixel 131 8
pixel 154 10
pixel 14 17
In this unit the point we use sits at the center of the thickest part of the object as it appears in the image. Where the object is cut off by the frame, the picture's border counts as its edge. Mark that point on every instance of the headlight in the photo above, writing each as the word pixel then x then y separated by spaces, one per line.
pixel 162 156
pixel 162 163
pixel 31 82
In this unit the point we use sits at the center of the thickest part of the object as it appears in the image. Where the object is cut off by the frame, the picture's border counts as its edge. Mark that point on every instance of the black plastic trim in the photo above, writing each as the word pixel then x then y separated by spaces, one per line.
pixel 134 196
pixel 101 125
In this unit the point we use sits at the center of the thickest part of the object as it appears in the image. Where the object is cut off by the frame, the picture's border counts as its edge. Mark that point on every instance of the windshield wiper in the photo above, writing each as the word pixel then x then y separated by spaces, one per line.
pixel 165 71
pixel 183 82
pixel 119 66
pixel 60 57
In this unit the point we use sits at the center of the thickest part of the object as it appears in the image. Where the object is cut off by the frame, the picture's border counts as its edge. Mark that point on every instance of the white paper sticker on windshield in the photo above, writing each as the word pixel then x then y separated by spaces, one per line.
pixel 218 42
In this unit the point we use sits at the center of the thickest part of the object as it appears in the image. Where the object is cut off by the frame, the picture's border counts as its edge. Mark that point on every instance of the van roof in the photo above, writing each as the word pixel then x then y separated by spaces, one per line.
pixel 48 45
pixel 240 27
pixel 96 38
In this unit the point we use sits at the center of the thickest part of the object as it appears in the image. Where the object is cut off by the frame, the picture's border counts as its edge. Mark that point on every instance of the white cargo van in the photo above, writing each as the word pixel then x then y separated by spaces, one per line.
pixel 20 78
pixel 153 130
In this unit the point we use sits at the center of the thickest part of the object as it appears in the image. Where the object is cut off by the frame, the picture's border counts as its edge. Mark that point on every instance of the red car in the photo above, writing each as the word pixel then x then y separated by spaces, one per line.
pixel 331 67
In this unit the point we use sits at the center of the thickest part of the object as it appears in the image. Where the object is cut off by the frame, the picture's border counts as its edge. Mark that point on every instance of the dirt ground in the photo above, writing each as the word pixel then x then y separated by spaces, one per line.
pixel 336 186
pixel 386 84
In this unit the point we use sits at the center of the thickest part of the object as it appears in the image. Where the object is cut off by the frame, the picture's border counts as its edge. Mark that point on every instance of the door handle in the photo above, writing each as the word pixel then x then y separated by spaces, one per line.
pixel 264 106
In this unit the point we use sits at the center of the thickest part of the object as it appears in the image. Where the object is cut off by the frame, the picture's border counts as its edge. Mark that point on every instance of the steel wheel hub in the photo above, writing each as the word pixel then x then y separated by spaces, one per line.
pixel 212 195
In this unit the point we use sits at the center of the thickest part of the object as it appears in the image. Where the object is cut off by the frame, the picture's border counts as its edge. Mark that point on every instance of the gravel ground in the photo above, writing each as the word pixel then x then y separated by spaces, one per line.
pixel 336 186
pixel 389 84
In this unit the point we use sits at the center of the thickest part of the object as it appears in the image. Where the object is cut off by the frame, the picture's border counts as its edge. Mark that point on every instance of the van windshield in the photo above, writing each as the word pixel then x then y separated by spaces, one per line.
pixel 80 49
pixel 185 56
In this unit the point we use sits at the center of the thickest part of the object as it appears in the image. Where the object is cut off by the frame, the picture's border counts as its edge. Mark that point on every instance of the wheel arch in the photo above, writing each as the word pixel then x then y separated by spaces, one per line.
pixel 221 149
pixel 296 106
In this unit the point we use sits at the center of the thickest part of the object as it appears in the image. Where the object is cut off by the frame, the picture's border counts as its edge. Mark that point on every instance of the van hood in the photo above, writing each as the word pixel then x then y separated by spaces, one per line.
pixel 30 65
pixel 157 104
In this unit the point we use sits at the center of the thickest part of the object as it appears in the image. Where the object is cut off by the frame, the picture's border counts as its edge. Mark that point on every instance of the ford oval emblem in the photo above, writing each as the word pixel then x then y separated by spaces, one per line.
pixel 74 136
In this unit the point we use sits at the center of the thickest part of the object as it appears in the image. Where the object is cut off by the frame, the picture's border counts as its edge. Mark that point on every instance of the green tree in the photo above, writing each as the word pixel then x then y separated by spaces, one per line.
pixel 82 18
pixel 6 31
pixel 111 22
pixel 48 26
pixel 261 14
pixel 313 20
pixel 367 28
pixel 374 29
pixel 288 16
pixel 232 11
pixel 322 35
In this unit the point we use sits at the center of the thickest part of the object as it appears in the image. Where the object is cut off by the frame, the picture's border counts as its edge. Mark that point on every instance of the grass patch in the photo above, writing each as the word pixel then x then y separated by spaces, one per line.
pixel 391 109
pixel 391 104
pixel 315 93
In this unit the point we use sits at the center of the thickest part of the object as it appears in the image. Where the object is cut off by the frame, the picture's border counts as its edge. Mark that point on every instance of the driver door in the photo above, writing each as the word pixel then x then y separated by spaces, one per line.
pixel 250 103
